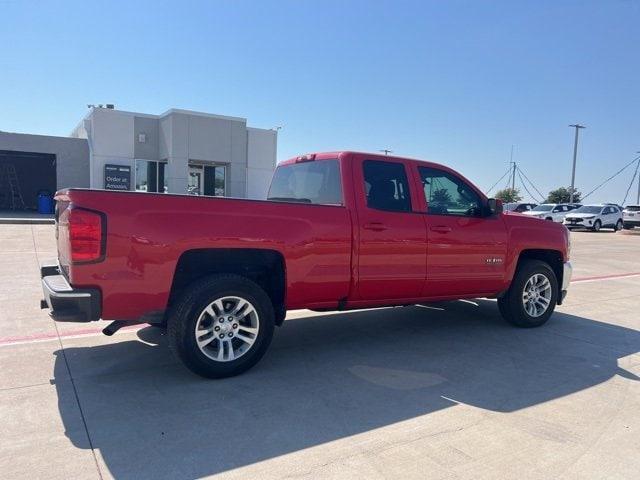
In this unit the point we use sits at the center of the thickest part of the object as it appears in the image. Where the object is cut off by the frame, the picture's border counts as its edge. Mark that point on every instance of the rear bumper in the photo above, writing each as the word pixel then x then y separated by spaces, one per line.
pixel 631 221
pixel 68 304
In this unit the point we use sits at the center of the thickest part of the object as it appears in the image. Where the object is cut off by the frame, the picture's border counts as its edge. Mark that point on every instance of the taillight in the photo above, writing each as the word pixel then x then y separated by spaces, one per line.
pixel 85 235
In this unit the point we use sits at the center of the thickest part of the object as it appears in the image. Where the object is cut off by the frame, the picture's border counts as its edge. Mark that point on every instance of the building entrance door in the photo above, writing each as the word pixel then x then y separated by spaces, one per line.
pixel 195 181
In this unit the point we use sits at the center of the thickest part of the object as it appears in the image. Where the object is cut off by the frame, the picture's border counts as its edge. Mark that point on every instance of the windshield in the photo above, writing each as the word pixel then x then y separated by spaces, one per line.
pixel 588 209
pixel 509 207
pixel 309 182
pixel 543 208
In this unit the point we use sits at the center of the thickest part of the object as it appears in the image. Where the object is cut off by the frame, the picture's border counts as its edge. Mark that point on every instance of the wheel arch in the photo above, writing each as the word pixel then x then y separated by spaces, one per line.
pixel 263 266
pixel 553 258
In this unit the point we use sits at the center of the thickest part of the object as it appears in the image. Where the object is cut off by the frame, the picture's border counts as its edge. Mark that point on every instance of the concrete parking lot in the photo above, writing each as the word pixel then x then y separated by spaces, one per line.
pixel 445 391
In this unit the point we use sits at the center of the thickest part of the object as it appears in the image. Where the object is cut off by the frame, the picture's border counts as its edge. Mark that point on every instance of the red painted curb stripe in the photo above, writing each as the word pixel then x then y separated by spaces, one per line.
pixel 605 277
pixel 51 336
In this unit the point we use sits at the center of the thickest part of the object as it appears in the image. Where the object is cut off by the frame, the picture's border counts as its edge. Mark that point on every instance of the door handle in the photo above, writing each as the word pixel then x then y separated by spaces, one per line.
pixel 375 226
pixel 441 229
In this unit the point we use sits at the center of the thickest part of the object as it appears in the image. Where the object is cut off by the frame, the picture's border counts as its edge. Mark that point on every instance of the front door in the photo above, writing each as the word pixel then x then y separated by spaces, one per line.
pixel 392 237
pixel 467 249
pixel 195 181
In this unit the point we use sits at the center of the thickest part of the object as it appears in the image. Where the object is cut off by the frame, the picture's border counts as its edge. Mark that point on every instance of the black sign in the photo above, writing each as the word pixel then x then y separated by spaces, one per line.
pixel 117 177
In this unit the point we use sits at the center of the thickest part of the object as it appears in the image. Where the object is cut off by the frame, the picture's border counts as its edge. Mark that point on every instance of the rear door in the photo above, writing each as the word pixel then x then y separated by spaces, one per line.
pixel 611 216
pixel 392 241
pixel 466 249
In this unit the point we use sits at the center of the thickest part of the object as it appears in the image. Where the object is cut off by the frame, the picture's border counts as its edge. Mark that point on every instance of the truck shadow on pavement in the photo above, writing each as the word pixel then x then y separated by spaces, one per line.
pixel 325 378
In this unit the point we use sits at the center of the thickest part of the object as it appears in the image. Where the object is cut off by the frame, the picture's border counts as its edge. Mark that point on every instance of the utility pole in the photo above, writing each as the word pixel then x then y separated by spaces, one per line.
pixel 575 154
pixel 638 196
pixel 513 175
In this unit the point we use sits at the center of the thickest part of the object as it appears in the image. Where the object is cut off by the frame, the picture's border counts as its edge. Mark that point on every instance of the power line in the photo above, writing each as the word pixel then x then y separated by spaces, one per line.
pixel 632 180
pixel 499 180
pixel 612 176
pixel 531 183
pixel 525 186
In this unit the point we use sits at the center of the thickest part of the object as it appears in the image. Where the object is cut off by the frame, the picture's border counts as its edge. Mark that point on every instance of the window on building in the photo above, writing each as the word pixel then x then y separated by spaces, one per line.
pixel 447 194
pixel 214 180
pixel 207 180
pixel 386 186
pixel 308 182
pixel 150 177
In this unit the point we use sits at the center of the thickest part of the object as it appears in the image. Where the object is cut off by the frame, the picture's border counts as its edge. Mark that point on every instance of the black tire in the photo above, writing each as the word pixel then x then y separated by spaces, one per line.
pixel 511 305
pixel 549 219
pixel 182 323
pixel 619 226
pixel 597 225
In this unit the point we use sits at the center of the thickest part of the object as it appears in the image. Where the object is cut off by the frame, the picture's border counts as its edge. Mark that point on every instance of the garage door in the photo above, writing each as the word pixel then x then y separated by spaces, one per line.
pixel 22 176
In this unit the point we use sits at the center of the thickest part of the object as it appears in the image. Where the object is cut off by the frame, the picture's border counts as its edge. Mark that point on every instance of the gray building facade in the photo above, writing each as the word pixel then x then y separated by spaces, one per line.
pixel 30 164
pixel 178 151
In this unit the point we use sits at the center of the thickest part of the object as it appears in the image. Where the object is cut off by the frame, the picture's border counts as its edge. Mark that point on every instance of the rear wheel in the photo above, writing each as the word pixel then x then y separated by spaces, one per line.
pixel 619 226
pixel 596 225
pixel 532 297
pixel 221 326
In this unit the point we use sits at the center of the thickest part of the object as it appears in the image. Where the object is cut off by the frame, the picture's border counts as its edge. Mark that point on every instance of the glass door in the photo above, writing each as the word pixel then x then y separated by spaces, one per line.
pixel 195 181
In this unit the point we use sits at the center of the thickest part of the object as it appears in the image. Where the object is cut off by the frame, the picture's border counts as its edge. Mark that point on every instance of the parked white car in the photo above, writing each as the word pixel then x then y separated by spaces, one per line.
pixel 550 211
pixel 595 217
pixel 631 216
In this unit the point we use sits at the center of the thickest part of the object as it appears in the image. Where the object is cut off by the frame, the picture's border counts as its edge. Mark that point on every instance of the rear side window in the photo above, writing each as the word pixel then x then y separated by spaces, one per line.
pixel 386 186
pixel 309 182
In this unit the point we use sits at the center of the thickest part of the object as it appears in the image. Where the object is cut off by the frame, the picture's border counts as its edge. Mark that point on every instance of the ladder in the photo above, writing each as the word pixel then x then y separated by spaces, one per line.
pixel 4 189
pixel 9 175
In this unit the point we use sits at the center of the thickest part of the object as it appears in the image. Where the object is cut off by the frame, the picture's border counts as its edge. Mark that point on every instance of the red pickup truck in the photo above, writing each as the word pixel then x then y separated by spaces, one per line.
pixel 339 231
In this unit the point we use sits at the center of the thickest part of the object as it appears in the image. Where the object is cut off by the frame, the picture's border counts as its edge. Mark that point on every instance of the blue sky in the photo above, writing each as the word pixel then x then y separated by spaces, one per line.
pixel 450 81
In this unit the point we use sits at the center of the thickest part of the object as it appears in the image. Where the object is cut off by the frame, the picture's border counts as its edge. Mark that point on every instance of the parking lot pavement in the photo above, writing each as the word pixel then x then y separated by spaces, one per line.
pixel 440 391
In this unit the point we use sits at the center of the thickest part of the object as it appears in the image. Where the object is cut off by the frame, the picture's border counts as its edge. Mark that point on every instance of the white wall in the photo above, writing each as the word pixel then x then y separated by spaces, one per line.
pixel 111 142
pixel 182 136
pixel 261 161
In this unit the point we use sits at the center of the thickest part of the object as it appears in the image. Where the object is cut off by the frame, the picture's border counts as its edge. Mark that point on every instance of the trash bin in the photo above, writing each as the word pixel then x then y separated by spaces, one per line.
pixel 45 202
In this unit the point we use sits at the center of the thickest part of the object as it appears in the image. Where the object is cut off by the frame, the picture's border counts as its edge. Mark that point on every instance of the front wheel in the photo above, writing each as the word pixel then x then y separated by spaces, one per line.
pixel 532 297
pixel 221 326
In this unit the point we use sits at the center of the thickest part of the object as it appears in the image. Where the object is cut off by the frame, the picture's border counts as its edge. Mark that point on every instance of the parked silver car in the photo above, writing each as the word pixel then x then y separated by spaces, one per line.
pixel 595 217
pixel 631 216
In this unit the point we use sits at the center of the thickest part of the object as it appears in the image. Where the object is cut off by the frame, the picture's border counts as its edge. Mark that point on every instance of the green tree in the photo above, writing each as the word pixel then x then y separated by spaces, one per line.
pixel 563 195
pixel 509 195
pixel 441 196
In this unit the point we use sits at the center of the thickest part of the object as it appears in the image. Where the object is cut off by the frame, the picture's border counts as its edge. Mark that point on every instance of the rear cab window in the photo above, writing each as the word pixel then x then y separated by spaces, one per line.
pixel 315 182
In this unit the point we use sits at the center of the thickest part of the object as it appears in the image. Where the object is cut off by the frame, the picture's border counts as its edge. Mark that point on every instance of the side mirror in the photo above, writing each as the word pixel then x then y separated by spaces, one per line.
pixel 495 206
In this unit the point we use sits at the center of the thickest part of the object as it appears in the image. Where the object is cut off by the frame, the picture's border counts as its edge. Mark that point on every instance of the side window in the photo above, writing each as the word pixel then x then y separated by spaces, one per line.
pixel 446 194
pixel 386 186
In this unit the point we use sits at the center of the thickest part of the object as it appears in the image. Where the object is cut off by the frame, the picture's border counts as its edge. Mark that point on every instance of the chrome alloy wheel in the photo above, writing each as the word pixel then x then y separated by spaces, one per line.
pixel 536 296
pixel 227 328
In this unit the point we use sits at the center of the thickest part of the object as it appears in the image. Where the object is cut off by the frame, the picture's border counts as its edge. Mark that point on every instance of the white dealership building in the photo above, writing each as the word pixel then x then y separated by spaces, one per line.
pixel 179 151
